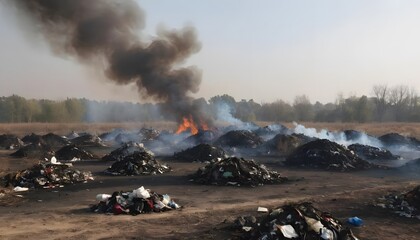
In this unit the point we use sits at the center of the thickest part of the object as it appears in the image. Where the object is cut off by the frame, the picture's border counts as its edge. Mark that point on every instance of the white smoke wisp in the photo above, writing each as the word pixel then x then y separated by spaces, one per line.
pixel 224 113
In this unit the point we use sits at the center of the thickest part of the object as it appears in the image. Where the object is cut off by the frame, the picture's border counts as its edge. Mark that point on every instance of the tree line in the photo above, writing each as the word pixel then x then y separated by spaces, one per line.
pixel 398 103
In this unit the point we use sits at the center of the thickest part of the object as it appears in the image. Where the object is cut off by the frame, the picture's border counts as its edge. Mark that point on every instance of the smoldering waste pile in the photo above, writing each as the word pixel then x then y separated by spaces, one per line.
pixel 236 171
pixel 406 204
pixel 88 140
pixel 324 154
pixel 9 141
pixel 125 150
pixel 201 153
pixel 395 139
pixel 134 202
pixel 239 139
pixel 283 144
pixel 294 221
pixel 46 175
pixel 34 150
pixel 73 152
pixel 372 153
pixel 138 163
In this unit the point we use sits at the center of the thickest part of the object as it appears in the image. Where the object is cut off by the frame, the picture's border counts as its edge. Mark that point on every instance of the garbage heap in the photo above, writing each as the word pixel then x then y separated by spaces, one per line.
pixel 138 163
pixel 201 153
pixel 395 139
pixel 125 150
pixel 283 144
pixel 34 150
pixel 9 141
pixel 240 139
pixel 134 202
pixel 148 134
pixel 372 153
pixel 406 204
pixel 88 140
pixel 327 155
pixel 294 221
pixel 46 175
pixel 72 152
pixel 236 172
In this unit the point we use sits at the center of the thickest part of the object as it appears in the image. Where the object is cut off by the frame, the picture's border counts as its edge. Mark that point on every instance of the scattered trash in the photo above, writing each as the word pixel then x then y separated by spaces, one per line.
pixel 201 153
pixel 126 150
pixel 46 175
pixel 372 153
pixel 236 171
pixel 324 154
pixel 134 202
pixel 70 152
pixel 20 189
pixel 34 150
pixel 355 221
pixel 240 139
pixel 138 163
pixel 293 221
pixel 405 204
pixel 262 209
pixel 8 141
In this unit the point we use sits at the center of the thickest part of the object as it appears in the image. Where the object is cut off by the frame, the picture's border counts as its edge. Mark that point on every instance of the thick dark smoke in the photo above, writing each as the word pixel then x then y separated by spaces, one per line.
pixel 105 33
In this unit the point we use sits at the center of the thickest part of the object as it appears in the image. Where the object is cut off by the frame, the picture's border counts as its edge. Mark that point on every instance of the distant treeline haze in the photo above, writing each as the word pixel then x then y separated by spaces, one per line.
pixel 398 103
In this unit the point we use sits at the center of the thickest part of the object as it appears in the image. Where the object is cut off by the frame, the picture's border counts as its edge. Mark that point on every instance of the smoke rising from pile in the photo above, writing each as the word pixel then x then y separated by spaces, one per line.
pixel 105 34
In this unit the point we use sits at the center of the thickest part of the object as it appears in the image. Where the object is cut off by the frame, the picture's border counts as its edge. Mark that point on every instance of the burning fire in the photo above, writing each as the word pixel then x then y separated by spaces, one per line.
pixel 189 124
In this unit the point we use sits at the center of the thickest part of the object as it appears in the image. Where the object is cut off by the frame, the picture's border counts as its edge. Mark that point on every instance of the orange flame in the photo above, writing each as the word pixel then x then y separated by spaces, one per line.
pixel 189 124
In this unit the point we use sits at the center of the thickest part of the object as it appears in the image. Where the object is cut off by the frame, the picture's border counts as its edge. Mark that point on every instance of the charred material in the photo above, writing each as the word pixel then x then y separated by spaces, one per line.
pixel 126 150
pixel 395 139
pixel 294 221
pixel 34 150
pixel 88 140
pixel 138 163
pixel 72 152
pixel 324 154
pixel 33 138
pixel 269 131
pixel 237 171
pixel 54 140
pixel 352 135
pixel 203 136
pixel 148 134
pixel 46 175
pixel 240 139
pixel 372 153
pixel 405 204
pixel 201 153
pixel 283 144
pixel 9 141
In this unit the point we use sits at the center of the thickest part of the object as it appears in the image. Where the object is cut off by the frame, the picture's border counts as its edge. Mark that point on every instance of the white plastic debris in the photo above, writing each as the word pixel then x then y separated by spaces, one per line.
pixel 262 209
pixel 327 234
pixel 288 231
pixel 54 161
pixel 103 197
pixel 314 224
pixel 141 192
pixel 246 229
pixel 20 189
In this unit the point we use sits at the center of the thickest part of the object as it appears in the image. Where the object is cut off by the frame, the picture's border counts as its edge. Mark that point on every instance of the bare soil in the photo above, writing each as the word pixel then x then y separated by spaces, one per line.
pixel 208 211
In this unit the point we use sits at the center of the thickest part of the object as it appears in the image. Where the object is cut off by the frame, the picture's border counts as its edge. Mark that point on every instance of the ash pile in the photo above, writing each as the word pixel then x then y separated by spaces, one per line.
pixel 134 202
pixel 236 172
pixel 138 163
pixel 327 155
pixel 8 141
pixel 74 153
pixel 38 150
pixel 294 221
pixel 406 204
pixel 372 153
pixel 46 175
pixel 125 150
pixel 201 153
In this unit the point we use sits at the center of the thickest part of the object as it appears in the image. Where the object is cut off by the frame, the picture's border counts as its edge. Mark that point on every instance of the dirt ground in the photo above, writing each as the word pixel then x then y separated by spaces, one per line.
pixel 207 211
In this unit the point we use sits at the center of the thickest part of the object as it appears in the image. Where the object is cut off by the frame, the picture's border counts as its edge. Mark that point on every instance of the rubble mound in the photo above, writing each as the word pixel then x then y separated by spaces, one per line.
pixel 240 139
pixel 88 140
pixel 201 153
pixel 54 140
pixel 372 153
pixel 34 150
pixel 9 141
pixel 46 175
pixel 236 171
pixel 293 221
pixel 203 136
pixel 392 139
pixel 285 144
pixel 405 204
pixel 127 149
pixel 134 202
pixel 72 152
pixel 33 138
pixel 324 154
pixel 149 134
pixel 138 163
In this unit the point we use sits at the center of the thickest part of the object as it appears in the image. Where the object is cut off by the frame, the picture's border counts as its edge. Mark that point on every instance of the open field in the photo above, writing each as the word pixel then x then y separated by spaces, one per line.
pixel 207 211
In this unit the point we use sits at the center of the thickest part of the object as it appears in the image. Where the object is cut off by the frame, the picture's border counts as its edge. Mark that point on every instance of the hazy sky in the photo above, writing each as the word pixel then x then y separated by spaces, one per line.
pixel 264 50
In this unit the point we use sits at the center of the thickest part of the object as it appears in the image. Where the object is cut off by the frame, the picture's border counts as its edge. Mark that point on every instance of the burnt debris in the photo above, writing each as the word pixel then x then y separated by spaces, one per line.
pixel 88 140
pixel 239 139
pixel 201 153
pixel 395 139
pixel 326 155
pixel 283 144
pixel 9 141
pixel 236 172
pixel 372 153
pixel 126 150
pixel 73 152
pixel 34 150
pixel 405 204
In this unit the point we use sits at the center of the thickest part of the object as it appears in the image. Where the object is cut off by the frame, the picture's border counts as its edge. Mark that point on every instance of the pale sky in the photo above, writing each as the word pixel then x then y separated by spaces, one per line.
pixel 264 50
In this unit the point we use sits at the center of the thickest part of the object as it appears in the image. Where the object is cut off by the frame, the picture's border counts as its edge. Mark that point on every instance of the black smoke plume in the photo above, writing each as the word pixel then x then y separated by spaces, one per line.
pixel 105 33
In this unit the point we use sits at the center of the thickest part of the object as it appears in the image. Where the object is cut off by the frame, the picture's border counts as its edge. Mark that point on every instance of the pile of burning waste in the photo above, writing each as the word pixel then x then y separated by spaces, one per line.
pixel 72 152
pixel 236 171
pixel 324 154
pixel 201 153
pixel 202 137
pixel 46 175
pixel 294 221
pixel 283 144
pixel 406 204
pixel 134 202
pixel 8 141
pixel 372 153
pixel 395 139
pixel 34 150
pixel 239 139
pixel 138 163
pixel 125 150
